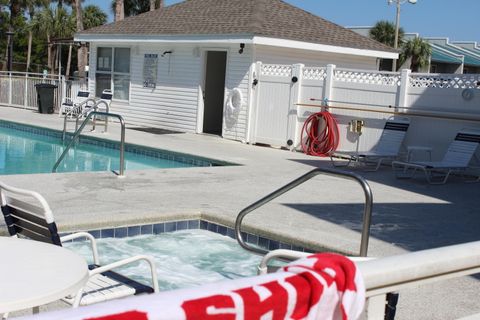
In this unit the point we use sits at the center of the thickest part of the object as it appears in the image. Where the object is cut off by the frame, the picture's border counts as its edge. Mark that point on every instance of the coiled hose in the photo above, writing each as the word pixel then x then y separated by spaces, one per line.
pixel 318 142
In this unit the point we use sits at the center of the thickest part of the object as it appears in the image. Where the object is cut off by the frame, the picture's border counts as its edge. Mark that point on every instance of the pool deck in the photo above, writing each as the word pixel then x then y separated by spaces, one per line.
pixel 408 215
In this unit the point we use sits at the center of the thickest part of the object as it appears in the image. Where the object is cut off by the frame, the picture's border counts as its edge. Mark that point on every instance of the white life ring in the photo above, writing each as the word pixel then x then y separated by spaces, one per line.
pixel 233 106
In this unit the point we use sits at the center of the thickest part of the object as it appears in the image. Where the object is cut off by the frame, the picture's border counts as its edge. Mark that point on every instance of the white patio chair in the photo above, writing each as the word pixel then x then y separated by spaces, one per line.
pixel 74 107
pixel 456 159
pixel 103 105
pixel 387 148
pixel 35 221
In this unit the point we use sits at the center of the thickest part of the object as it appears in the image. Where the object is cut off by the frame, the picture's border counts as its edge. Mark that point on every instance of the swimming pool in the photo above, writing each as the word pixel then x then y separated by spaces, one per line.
pixel 27 149
pixel 183 258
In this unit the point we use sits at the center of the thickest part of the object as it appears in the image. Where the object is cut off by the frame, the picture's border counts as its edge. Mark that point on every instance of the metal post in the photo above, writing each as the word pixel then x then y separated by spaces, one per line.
pixel 10 50
pixel 397 27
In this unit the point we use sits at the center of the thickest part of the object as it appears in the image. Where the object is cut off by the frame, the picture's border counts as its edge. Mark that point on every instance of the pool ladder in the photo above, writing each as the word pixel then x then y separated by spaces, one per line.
pixel 84 113
pixel 79 130
pixel 367 212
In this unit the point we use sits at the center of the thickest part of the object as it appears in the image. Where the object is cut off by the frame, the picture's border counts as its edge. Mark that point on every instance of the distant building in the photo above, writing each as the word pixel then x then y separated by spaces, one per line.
pixel 447 57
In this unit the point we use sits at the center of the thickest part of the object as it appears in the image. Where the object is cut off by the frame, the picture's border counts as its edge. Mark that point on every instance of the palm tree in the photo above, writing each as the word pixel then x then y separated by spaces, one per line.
pixel 82 50
pixel 93 16
pixel 419 51
pixel 52 23
pixel 32 5
pixel 384 32
pixel 15 7
pixel 42 25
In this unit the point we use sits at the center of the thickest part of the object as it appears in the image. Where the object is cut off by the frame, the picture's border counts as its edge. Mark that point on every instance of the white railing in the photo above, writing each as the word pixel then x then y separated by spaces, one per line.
pixel 405 271
pixel 17 89
pixel 395 273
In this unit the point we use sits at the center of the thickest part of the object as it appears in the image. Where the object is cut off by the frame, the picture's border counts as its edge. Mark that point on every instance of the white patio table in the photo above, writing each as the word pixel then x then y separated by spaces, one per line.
pixel 34 273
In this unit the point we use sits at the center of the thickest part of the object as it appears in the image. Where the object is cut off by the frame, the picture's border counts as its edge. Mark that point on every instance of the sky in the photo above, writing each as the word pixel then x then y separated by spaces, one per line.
pixel 453 19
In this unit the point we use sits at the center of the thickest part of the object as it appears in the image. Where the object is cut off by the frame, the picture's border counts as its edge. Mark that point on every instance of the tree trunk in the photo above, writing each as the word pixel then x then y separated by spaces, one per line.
pixel 82 51
pixel 69 61
pixel 161 4
pixel 49 54
pixel 152 5
pixel 54 59
pixel 119 10
pixel 29 50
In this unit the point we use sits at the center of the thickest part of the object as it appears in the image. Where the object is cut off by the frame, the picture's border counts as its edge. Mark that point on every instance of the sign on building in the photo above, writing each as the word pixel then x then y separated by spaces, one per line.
pixel 150 63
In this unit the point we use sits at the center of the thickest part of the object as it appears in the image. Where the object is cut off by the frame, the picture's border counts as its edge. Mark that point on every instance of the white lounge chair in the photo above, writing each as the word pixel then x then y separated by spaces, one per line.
pixel 387 148
pixel 35 221
pixel 74 107
pixel 456 159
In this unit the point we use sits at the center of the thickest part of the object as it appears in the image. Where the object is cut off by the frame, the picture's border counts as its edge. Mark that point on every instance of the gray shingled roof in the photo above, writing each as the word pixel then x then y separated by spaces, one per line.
pixel 268 18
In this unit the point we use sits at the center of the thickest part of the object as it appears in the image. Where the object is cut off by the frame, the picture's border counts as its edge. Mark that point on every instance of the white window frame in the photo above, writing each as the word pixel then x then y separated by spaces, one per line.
pixel 112 71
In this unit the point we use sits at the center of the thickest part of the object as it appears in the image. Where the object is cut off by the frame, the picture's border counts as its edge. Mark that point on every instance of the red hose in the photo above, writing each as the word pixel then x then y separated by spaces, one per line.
pixel 317 143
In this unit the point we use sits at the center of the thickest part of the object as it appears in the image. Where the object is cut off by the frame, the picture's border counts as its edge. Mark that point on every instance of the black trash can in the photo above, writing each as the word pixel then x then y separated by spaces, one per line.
pixel 45 97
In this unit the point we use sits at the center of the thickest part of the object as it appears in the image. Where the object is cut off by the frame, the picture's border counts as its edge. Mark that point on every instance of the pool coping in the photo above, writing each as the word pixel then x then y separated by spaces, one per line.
pixel 191 224
pixel 157 153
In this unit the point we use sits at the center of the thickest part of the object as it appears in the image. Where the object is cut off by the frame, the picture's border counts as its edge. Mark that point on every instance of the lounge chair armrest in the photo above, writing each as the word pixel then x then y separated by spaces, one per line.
pixel 89 237
pixel 126 261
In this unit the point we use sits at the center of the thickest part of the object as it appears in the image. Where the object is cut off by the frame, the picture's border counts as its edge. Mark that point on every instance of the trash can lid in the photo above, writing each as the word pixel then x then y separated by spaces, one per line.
pixel 45 85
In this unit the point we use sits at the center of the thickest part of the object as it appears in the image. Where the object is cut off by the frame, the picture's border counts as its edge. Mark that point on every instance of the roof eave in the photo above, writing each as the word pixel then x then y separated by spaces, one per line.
pixel 151 38
pixel 324 48
pixel 232 38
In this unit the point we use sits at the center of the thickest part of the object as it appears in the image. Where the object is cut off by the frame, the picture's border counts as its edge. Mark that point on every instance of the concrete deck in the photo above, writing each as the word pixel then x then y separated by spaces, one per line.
pixel 408 215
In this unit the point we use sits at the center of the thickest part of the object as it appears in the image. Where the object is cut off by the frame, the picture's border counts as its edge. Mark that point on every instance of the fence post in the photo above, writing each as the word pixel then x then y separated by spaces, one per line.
pixel 402 101
pixel 25 92
pixel 295 98
pixel 10 89
pixel 328 88
pixel 253 100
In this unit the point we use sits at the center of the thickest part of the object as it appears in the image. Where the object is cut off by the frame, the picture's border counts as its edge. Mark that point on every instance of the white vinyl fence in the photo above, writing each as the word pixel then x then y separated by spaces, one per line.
pixel 18 89
pixel 439 105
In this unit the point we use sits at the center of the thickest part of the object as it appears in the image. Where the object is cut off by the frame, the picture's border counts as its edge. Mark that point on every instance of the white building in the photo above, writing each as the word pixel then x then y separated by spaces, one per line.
pixel 175 68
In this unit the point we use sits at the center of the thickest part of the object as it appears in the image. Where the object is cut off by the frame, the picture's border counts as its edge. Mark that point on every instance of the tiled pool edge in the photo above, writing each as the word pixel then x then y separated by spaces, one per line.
pixel 189 159
pixel 196 224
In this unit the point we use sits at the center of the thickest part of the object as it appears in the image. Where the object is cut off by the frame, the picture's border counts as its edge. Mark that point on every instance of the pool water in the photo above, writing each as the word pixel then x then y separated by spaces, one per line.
pixel 183 258
pixel 24 152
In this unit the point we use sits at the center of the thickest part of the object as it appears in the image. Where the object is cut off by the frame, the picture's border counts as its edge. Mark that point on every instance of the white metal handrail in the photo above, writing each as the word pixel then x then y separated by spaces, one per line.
pixel 77 134
pixel 78 115
pixel 367 212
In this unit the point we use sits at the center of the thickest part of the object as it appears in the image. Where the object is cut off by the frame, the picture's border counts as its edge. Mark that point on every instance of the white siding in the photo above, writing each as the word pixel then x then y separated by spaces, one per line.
pixel 173 104
pixel 278 55
pixel 238 71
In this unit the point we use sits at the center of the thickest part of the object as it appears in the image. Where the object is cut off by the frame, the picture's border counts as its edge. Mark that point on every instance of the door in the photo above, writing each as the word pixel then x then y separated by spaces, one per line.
pixel 275 113
pixel 216 66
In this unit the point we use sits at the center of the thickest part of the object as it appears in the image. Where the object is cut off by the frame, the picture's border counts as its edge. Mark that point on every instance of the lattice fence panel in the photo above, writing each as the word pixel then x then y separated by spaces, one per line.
pixel 455 81
pixel 311 73
pixel 367 77
pixel 274 70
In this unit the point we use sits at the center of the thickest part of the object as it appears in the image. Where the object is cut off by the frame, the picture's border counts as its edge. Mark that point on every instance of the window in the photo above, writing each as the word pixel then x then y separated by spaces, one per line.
pixel 113 71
